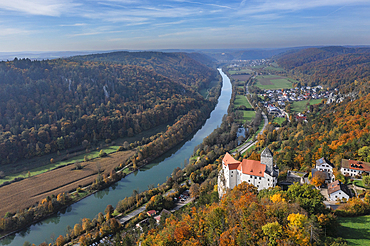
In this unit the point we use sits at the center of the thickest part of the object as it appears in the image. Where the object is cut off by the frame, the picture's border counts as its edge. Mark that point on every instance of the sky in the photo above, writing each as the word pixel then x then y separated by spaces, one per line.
pixel 75 25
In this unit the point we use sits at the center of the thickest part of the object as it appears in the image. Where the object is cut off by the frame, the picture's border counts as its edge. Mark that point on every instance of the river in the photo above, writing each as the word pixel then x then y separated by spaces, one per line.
pixel 152 174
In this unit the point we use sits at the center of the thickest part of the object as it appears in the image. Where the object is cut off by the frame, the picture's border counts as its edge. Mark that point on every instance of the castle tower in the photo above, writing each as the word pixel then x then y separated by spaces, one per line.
pixel 267 159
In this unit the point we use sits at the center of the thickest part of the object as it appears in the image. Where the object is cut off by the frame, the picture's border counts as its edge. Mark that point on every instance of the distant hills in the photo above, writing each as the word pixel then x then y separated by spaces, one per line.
pixel 328 66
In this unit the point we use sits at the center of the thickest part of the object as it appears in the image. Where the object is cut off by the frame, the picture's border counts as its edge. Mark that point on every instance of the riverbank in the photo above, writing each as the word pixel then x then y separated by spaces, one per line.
pixel 139 180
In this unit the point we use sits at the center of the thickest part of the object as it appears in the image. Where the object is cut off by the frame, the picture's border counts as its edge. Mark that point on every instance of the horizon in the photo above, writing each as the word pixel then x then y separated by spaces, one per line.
pixel 79 25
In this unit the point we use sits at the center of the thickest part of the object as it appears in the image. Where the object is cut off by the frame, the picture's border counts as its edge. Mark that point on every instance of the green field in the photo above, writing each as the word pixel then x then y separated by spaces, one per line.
pixel 300 106
pixel 241 71
pixel 248 115
pixel 271 68
pixel 356 230
pixel 241 100
pixel 274 82
pixel 278 120
pixel 43 169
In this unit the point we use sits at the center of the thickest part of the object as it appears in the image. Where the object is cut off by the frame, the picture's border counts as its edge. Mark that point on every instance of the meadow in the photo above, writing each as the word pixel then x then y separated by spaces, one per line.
pixel 300 106
pixel 356 230
pixel 274 82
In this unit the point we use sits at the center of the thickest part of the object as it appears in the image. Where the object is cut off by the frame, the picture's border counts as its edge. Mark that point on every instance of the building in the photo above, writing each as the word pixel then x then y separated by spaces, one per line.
pixel 353 168
pixel 262 174
pixel 338 191
pixel 325 166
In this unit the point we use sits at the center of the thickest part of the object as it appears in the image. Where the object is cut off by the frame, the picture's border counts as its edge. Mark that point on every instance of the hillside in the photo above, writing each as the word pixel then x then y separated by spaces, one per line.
pixel 46 106
pixel 327 66
pixel 179 67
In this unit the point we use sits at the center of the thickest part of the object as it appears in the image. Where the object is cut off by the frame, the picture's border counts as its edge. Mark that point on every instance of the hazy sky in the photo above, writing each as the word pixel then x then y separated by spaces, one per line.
pixel 57 25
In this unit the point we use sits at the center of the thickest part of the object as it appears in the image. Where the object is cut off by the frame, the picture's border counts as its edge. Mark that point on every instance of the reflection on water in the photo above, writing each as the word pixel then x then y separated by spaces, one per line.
pixel 152 174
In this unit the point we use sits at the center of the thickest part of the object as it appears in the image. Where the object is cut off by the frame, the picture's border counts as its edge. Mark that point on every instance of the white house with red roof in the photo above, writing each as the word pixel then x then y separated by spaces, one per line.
pixel 353 168
pixel 262 174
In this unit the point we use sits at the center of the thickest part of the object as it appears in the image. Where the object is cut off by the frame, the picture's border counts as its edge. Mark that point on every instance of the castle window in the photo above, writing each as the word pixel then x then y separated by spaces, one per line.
pixel 260 178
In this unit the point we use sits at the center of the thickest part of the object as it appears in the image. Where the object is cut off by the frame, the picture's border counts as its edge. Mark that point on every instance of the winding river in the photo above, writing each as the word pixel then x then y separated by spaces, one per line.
pixel 152 174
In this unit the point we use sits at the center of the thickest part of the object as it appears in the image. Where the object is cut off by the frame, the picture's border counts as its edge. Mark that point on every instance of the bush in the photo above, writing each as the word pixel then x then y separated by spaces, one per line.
pixel 102 154
pixel 2 175
pixel 121 148
pixel 78 166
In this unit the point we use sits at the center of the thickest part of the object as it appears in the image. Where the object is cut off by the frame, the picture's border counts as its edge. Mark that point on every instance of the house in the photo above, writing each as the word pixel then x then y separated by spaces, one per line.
pixel 338 191
pixel 151 213
pixel 353 168
pixel 262 174
pixel 325 166
pixel 165 213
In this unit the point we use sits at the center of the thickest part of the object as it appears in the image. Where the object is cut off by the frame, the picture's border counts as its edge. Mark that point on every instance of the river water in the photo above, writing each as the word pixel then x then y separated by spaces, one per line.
pixel 152 174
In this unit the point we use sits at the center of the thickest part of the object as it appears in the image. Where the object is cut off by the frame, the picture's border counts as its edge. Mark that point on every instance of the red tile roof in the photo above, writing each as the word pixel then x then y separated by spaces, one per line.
pixel 356 165
pixel 252 167
pixel 336 186
pixel 228 159
pixel 151 212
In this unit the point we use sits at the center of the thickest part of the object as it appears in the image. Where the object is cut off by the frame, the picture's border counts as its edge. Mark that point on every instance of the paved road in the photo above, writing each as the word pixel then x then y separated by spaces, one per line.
pixel 181 204
pixel 129 216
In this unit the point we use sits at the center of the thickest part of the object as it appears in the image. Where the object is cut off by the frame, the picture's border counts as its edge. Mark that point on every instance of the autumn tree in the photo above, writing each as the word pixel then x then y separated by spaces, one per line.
pixel 318 178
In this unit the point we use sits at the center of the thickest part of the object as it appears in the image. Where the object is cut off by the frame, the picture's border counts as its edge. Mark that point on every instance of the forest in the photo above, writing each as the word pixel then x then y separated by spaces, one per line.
pixel 326 66
pixel 51 105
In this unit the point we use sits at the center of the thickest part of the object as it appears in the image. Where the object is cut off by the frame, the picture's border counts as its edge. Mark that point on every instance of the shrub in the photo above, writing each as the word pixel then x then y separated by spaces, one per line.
pixel 102 154
pixel 121 148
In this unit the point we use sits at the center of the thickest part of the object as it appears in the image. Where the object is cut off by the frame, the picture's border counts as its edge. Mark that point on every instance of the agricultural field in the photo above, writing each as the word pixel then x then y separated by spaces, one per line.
pixel 242 77
pixel 356 230
pixel 274 82
pixel 300 106
pixel 25 193
pixel 51 166
pixel 275 69
pixel 241 71
pixel 248 115
pixel 241 100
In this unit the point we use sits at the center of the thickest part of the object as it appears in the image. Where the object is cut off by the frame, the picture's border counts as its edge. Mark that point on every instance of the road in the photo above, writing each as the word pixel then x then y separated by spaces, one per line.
pixel 244 147
pixel 129 216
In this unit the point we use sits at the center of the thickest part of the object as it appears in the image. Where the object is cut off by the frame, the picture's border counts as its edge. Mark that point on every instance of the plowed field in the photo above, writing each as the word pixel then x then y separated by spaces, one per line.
pixel 27 192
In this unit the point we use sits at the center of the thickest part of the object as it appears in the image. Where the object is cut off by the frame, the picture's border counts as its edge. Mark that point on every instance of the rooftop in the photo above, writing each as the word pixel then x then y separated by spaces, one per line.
pixel 356 165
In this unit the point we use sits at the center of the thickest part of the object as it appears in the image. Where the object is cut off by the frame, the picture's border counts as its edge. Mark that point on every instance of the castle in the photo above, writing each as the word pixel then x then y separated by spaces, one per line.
pixel 262 174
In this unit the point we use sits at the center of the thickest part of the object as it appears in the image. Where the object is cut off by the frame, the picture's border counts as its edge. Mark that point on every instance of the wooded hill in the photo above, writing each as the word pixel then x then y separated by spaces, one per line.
pixel 185 68
pixel 327 66
pixel 53 105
